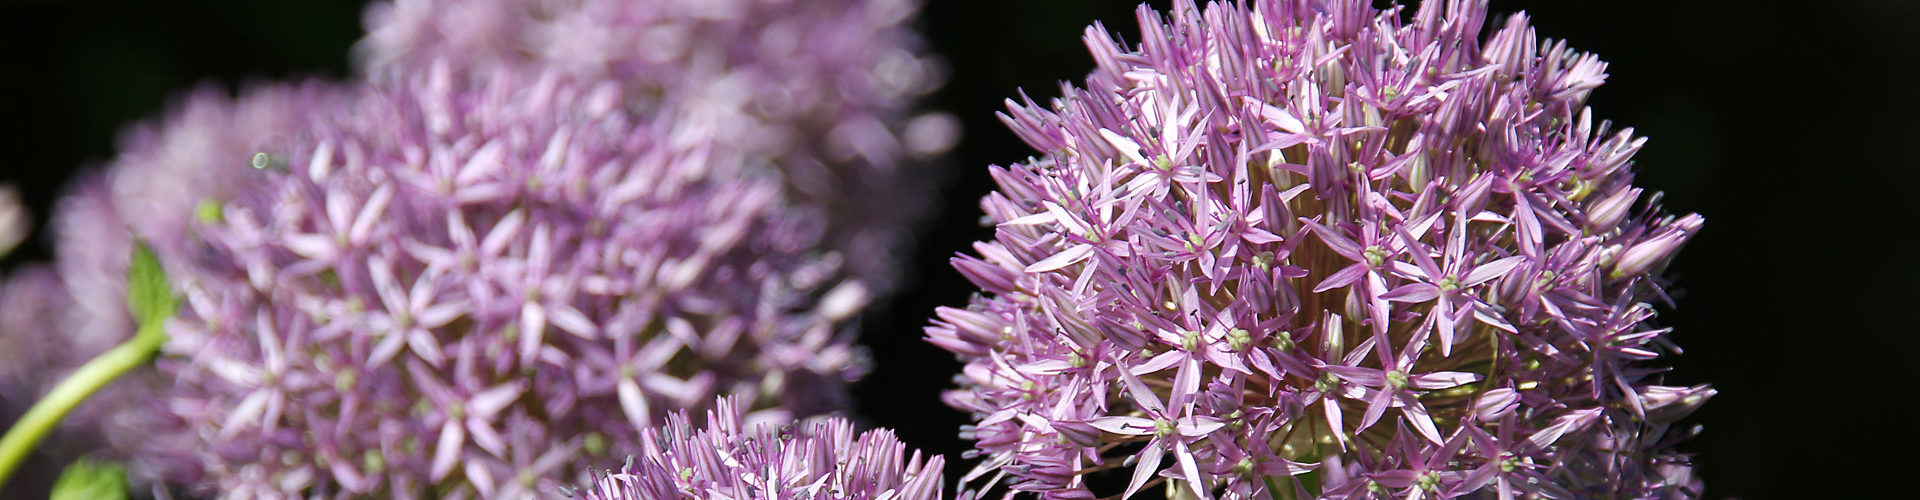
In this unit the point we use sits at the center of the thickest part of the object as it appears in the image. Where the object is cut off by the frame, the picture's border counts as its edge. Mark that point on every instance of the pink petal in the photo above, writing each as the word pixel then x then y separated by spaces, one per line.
pixel 1413 293
pixel 1491 270
pixel 1063 259
pixel 447 452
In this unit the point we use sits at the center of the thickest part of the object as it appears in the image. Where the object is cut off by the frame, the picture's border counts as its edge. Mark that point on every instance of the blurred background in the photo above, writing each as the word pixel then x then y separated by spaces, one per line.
pixel 1789 127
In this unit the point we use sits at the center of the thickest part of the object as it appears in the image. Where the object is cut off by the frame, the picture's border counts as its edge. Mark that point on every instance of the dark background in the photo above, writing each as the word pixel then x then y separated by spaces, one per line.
pixel 1789 127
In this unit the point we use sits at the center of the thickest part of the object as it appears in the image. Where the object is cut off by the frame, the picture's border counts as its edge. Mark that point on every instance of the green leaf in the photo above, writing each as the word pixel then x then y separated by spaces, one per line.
pixel 149 297
pixel 90 480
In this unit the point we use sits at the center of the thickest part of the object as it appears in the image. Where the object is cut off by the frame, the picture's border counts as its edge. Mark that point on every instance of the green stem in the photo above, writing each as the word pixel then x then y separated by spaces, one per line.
pixel 97 373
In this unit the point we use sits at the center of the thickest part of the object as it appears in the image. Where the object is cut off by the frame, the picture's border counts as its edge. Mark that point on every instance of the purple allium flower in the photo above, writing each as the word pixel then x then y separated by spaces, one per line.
pixel 477 284
pixel 818 458
pixel 820 89
pixel 1329 249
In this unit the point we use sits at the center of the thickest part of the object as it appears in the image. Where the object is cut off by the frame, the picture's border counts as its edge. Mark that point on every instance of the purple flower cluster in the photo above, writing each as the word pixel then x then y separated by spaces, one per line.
pixel 822 90
pixel 1300 248
pixel 820 458
pixel 474 283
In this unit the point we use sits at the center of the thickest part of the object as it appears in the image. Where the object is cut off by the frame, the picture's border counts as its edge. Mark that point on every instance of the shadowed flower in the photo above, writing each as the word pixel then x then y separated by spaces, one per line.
pixel 730 458
pixel 479 283
pixel 1327 250
pixel 14 221
pixel 821 90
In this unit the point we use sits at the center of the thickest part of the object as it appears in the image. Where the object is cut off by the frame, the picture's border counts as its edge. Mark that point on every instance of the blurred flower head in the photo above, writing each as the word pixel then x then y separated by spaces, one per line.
pixel 730 458
pixel 58 317
pixel 1329 249
pixel 820 90
pixel 479 283
pixel 15 223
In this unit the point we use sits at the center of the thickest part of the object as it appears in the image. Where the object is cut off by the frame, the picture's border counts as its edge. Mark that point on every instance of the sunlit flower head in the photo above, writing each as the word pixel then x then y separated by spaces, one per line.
pixel 1329 249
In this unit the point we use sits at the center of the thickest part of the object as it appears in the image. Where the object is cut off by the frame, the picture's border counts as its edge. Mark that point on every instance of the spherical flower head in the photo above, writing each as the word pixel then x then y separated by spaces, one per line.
pixel 821 90
pixel 479 284
pixel 1325 249
pixel 732 458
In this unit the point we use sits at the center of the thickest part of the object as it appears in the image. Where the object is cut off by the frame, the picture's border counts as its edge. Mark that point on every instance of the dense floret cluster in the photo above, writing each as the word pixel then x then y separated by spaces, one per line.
pixel 822 89
pixel 1322 249
pixel 473 283
pixel 731 458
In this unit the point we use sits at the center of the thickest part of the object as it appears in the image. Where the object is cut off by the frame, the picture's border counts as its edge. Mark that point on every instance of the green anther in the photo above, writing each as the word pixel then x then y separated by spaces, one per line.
pixel 1328 382
pixel 1163 163
pixel 1075 360
pixel 1190 341
pixel 1390 92
pixel 686 473
pixel 372 462
pixel 1530 365
pixel 1244 468
pixel 457 410
pixel 208 212
pixel 1449 284
pixel 1283 341
pixel 596 444
pixel 1375 255
pixel 1026 389
pixel 1162 428
pixel 1234 422
pixel 1429 481
pixel 262 160
pixel 1376 487
pixel 1263 261
pixel 1397 379
pixel 527 479
pixel 1581 188
pixel 1196 240
pixel 1238 338
pixel 1508 462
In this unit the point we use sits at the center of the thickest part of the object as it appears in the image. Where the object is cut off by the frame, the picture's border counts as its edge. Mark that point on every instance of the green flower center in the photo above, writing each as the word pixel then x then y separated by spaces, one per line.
pixel 1375 255
pixel 1397 379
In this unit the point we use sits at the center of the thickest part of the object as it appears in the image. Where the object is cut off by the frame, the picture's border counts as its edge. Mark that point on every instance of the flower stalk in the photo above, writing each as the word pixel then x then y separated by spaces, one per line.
pixel 152 302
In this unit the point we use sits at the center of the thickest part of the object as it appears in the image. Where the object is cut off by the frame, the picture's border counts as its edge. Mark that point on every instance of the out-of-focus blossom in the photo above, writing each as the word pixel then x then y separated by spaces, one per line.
pixel 480 284
pixel 153 191
pixel 1330 249
pixel 821 90
pixel 817 458
pixel 15 223
pixel 53 322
